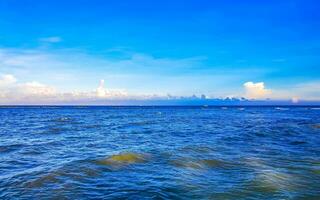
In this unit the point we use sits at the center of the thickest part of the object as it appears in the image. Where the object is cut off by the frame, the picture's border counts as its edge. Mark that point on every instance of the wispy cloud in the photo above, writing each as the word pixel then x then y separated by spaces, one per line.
pixel 70 74
pixel 306 90
pixel 7 80
pixel 74 69
pixel 54 39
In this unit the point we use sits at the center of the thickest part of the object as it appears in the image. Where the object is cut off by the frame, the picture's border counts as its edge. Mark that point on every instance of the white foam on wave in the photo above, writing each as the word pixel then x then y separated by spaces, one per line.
pixel 281 108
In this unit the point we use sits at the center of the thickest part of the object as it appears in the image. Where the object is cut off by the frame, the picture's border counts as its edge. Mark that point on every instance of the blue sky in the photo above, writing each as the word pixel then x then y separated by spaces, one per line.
pixel 163 47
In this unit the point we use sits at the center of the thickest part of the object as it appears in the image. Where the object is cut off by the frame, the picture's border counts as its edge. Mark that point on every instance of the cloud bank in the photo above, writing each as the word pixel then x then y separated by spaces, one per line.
pixel 12 91
pixel 43 76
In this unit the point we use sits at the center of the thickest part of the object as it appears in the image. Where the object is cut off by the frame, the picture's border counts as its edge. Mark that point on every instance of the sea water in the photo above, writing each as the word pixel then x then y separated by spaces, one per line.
pixel 70 152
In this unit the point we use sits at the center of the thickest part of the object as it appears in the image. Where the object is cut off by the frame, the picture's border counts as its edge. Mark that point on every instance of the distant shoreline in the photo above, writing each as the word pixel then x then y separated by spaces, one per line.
pixel 150 106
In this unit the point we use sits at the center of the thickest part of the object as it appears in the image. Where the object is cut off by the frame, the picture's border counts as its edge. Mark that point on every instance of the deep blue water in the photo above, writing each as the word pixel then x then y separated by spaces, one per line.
pixel 159 153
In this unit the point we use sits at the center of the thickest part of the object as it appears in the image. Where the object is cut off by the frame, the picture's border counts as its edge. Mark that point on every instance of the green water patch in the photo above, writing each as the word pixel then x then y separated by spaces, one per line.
pixel 212 163
pixel 41 181
pixel 316 171
pixel 124 159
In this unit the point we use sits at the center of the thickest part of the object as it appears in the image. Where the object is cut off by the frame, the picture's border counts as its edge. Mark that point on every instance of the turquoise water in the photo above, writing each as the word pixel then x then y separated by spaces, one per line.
pixel 159 153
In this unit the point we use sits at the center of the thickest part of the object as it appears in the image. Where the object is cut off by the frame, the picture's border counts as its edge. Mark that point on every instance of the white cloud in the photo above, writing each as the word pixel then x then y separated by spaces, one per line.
pixel 256 90
pixel 101 91
pixel 7 79
pixel 13 92
pixel 35 89
pixel 54 39
pixel 294 92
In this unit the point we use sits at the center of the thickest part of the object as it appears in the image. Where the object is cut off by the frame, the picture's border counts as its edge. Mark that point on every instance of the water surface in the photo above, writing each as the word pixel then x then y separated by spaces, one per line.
pixel 159 153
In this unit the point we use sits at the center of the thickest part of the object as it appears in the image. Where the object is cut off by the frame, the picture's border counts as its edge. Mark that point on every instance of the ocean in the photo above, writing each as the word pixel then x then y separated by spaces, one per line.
pixel 109 152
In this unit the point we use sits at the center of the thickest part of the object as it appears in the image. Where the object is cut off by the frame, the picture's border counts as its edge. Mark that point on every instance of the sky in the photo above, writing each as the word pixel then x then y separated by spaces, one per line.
pixel 63 51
